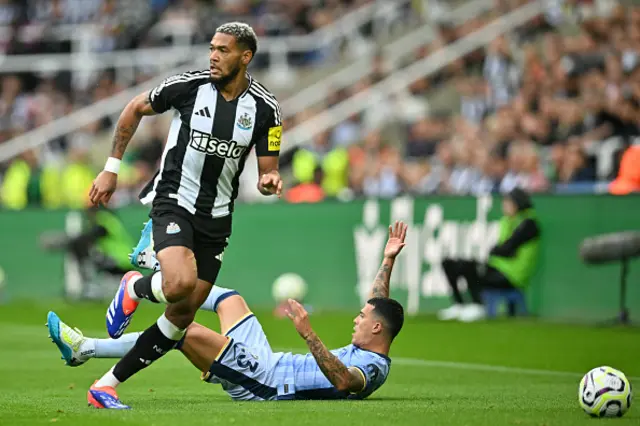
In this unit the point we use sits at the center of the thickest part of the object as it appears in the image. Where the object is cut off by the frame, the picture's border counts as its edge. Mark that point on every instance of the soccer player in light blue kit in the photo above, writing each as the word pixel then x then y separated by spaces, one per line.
pixel 242 361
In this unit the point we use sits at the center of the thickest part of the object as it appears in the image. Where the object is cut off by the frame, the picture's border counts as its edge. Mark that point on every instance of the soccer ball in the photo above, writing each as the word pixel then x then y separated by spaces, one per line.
pixel 289 286
pixel 605 392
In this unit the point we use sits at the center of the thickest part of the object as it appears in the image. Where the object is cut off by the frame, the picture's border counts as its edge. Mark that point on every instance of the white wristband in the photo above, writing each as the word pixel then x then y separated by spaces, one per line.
pixel 112 165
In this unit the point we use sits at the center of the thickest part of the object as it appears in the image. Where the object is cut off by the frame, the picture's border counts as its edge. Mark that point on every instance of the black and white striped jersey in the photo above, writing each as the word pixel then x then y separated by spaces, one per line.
pixel 209 141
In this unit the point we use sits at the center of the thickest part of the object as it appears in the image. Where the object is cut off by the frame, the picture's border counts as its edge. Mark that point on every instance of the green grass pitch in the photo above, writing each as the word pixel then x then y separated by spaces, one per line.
pixel 500 373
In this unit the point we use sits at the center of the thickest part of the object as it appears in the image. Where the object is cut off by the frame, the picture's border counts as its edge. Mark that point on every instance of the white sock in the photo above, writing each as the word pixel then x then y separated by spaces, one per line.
pixel 88 348
pixel 170 330
pixel 132 294
pixel 217 295
pixel 108 380
pixel 156 288
pixel 110 348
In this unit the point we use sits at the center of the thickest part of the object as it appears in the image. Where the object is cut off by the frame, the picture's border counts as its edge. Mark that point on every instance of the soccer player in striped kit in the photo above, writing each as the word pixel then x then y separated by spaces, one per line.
pixel 219 115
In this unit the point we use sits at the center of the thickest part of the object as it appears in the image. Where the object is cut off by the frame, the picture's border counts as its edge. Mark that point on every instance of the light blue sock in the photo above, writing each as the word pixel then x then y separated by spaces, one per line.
pixel 217 295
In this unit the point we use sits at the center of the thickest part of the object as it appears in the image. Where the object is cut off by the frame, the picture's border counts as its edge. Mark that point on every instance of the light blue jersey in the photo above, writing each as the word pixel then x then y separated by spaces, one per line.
pixel 311 383
pixel 249 370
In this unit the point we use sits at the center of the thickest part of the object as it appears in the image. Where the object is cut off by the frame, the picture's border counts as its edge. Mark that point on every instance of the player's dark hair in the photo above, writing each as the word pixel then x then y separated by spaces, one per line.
pixel 244 34
pixel 391 312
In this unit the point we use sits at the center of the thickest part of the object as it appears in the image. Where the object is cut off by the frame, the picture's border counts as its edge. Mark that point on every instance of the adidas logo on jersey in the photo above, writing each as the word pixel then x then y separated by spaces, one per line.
pixel 204 142
pixel 204 112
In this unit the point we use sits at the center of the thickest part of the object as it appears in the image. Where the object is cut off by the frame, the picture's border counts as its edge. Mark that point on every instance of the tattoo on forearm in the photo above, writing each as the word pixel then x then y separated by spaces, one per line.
pixel 121 138
pixel 124 131
pixel 381 283
pixel 333 369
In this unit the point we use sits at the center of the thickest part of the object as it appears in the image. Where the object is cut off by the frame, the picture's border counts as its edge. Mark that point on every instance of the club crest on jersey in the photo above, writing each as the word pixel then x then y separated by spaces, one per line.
pixel 244 122
pixel 173 228
pixel 204 142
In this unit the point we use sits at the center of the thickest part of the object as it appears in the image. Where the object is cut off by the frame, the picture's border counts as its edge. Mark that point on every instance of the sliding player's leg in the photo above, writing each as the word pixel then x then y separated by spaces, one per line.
pixel 76 349
pixel 249 361
pixel 227 303
pixel 200 345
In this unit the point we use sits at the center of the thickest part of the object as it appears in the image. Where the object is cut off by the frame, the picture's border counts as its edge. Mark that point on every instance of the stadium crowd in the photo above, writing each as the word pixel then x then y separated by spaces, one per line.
pixel 539 107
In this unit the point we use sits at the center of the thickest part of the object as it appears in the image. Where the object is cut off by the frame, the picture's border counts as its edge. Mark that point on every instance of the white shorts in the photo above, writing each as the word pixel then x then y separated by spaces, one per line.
pixel 245 366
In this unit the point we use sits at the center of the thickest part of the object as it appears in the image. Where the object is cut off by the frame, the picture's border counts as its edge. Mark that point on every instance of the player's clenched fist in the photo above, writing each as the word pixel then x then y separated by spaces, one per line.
pixel 300 318
pixel 270 183
pixel 103 188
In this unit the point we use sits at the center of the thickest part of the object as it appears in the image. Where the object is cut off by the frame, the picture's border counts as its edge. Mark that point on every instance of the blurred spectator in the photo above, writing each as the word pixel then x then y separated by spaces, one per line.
pixel 574 166
pixel 383 177
pixel 334 163
pixel 76 177
pixel 424 136
pixel 308 192
pixel 628 179
pixel 26 183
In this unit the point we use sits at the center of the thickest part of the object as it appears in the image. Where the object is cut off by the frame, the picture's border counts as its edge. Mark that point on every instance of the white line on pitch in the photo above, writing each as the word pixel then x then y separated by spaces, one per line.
pixel 485 367
pixel 414 362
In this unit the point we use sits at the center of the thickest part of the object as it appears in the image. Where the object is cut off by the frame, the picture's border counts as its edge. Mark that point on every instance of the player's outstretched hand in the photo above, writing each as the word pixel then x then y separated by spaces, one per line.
pixel 395 243
pixel 270 183
pixel 300 318
pixel 103 188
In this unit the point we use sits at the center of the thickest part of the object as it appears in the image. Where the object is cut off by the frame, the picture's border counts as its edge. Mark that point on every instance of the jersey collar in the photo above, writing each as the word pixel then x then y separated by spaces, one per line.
pixel 377 353
pixel 248 85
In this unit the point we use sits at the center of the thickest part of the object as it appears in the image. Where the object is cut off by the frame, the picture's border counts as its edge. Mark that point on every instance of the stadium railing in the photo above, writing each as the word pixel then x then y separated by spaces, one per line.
pixel 345 30
pixel 392 53
pixel 402 79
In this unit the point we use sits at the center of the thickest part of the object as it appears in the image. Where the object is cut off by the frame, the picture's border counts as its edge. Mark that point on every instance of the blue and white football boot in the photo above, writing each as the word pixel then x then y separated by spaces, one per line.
pixel 68 340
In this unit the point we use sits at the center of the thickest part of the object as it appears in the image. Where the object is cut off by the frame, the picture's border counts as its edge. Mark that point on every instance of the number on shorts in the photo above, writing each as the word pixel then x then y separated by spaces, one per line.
pixel 246 361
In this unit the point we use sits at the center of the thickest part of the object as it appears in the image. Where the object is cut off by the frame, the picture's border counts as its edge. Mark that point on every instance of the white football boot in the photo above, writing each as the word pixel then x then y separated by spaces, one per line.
pixel 450 313
pixel 472 312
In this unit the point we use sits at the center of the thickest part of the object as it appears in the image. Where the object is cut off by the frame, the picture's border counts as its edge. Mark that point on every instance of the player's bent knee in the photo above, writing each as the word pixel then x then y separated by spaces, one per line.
pixel 233 303
pixel 179 273
pixel 231 310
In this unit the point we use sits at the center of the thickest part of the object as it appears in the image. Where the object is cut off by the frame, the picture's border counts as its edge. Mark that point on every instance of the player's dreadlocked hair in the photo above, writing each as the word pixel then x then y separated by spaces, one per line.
pixel 244 34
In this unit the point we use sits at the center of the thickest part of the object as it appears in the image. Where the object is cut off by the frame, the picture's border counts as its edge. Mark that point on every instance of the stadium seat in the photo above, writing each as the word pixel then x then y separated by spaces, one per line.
pixel 514 298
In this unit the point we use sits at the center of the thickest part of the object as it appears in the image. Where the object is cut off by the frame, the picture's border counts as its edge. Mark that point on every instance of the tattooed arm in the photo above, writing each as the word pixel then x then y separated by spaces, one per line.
pixel 343 378
pixel 397 234
pixel 105 184
pixel 128 123
pixel 380 286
